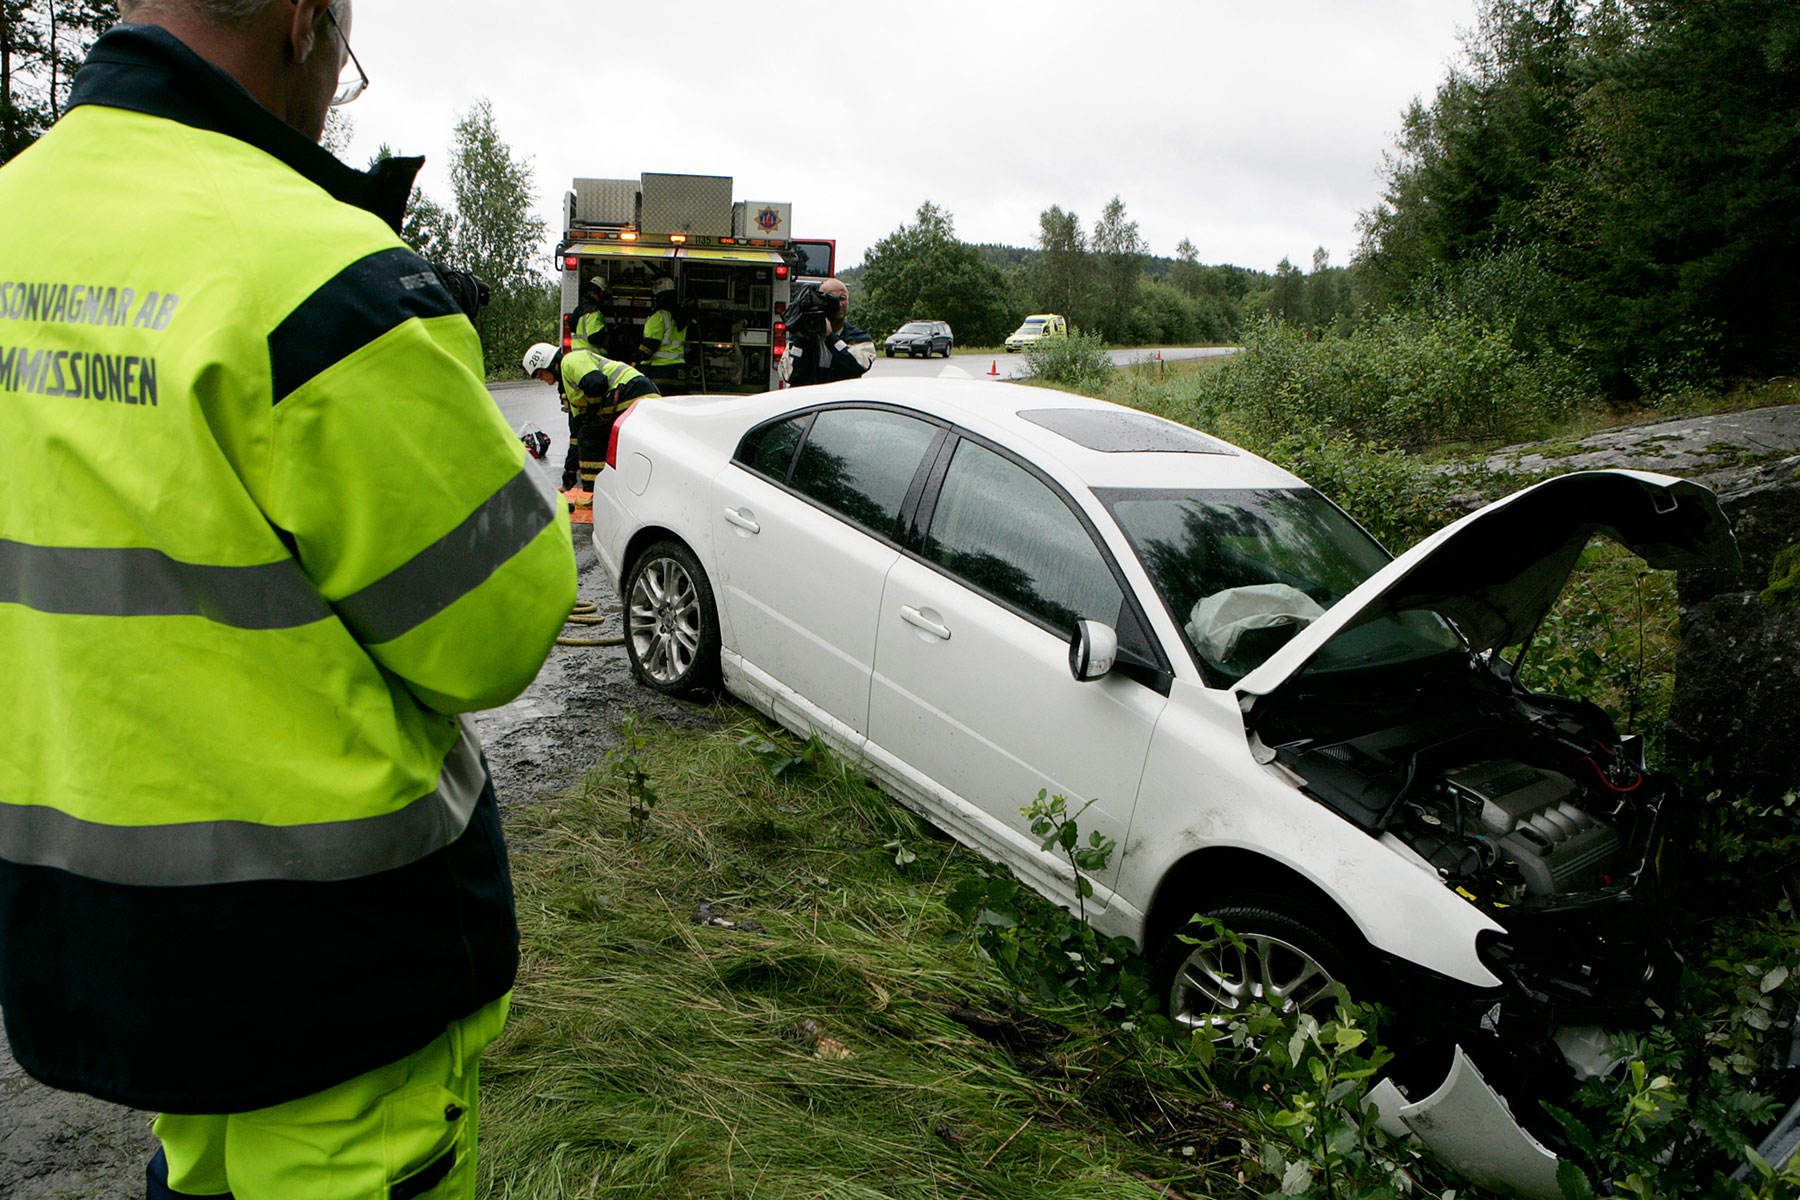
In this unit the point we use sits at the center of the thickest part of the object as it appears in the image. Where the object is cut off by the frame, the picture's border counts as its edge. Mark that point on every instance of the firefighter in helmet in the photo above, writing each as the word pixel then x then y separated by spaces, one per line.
pixel 595 391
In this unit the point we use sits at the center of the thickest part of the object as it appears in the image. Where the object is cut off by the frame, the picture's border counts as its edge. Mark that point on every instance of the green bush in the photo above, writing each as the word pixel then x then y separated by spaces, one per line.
pixel 1707 1078
pixel 1079 361
pixel 1402 380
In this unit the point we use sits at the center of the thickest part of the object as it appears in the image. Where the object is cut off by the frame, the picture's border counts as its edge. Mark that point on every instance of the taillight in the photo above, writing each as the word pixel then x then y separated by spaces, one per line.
pixel 570 262
pixel 780 339
pixel 568 336
pixel 781 271
pixel 612 439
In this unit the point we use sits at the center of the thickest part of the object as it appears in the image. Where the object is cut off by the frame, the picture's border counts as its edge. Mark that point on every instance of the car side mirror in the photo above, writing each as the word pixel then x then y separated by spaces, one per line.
pixel 1092 651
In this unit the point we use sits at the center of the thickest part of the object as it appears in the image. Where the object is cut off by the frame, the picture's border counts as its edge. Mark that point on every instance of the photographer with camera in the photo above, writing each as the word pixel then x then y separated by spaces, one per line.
pixel 822 346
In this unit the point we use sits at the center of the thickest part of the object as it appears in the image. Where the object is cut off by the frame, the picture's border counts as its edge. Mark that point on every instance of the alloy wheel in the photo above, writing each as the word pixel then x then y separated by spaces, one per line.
pixel 664 620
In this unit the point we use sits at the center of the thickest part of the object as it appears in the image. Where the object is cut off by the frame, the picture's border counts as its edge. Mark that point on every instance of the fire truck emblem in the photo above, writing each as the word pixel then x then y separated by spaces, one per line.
pixel 768 220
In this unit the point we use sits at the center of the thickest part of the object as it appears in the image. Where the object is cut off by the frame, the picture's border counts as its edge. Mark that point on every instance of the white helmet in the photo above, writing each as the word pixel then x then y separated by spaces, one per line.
pixel 539 358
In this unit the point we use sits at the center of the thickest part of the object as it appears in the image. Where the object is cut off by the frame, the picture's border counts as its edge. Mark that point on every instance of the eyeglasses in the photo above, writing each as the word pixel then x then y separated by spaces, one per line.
pixel 347 89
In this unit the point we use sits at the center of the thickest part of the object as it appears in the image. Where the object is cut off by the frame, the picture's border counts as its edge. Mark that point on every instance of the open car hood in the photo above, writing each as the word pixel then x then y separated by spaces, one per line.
pixel 1496 572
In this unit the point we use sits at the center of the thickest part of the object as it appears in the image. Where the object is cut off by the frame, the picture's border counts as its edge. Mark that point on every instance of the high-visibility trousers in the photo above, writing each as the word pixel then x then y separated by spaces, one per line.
pixel 405 1131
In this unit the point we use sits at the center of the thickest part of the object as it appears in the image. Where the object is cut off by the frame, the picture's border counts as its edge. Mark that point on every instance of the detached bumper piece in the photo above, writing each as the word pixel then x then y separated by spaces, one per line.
pixel 1467 1125
pixel 1778 1148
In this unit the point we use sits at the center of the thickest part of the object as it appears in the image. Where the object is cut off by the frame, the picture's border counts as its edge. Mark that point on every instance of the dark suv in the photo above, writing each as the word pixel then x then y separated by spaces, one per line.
pixel 917 338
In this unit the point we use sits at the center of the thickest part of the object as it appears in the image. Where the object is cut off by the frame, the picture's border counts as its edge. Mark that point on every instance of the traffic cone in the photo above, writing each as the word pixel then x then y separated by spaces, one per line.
pixel 995 369
pixel 1159 356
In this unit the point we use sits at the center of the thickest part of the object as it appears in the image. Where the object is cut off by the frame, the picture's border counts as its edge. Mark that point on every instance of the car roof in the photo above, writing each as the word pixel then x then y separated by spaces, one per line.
pixel 1101 444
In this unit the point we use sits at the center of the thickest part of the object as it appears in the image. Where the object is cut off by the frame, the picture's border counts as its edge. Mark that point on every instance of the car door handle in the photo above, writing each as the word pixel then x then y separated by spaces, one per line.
pixel 742 520
pixel 914 617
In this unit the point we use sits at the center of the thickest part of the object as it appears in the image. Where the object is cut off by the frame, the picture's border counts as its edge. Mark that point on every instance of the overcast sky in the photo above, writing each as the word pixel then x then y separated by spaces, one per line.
pixel 1254 127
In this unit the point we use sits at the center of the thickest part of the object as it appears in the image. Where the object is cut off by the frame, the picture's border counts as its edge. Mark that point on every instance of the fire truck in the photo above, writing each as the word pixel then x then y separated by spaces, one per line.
pixel 733 265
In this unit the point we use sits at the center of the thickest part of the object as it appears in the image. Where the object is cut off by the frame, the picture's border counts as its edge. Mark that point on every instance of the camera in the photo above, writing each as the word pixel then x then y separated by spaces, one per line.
pixel 471 294
pixel 811 310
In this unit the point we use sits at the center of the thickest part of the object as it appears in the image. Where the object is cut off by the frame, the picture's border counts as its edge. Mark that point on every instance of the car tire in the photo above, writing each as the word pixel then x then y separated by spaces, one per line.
pixel 1290 957
pixel 671 622
pixel 890 354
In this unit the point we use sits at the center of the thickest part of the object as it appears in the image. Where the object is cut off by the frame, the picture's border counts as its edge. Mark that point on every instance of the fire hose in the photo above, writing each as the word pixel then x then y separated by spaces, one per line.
pixel 589 614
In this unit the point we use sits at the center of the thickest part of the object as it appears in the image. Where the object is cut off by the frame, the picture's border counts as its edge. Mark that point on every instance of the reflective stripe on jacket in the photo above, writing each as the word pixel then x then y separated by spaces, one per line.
pixel 588 330
pixel 263 532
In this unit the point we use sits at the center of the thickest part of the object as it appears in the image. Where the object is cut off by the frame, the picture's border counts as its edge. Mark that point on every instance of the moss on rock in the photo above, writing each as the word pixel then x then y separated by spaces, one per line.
pixel 1783 591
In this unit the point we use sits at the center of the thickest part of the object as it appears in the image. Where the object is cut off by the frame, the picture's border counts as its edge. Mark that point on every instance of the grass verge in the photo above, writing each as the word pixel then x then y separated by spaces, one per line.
pixel 756 992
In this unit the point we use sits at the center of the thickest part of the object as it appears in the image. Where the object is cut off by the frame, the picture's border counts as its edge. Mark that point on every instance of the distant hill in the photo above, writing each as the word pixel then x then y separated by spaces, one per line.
pixel 1156 266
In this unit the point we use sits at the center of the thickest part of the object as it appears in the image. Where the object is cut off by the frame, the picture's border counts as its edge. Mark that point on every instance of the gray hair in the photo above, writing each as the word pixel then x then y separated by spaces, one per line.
pixel 232 14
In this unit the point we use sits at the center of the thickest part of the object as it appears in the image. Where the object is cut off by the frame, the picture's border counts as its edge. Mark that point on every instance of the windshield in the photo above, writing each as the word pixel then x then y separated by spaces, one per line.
pixel 1242 571
pixel 1033 323
pixel 915 327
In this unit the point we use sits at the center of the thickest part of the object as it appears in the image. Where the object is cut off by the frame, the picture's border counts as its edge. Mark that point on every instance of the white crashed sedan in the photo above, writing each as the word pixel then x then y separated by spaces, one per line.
pixel 980 590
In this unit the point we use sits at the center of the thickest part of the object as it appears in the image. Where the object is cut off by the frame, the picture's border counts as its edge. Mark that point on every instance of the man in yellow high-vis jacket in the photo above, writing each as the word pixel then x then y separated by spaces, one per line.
pixel 663 350
pixel 263 537
pixel 595 390
pixel 588 331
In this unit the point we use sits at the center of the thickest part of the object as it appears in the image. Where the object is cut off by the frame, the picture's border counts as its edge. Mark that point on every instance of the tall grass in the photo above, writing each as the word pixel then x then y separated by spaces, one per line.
pixel 806 1051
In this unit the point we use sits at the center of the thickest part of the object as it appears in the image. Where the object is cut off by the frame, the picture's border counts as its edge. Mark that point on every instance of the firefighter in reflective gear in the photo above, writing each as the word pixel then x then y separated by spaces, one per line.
pixel 251 867
pixel 541 362
pixel 589 317
pixel 595 391
pixel 664 348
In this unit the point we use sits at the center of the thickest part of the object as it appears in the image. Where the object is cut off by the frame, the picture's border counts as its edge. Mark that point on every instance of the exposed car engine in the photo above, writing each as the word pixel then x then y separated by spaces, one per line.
pixel 1523 824
pixel 1529 806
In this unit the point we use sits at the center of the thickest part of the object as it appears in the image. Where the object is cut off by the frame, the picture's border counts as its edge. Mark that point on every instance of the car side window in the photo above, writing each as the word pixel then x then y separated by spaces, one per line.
pixel 859 462
pixel 770 449
pixel 1004 530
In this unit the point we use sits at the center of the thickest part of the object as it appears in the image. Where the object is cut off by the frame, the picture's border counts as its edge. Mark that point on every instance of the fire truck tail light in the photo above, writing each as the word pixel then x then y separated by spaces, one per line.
pixel 678 237
pixel 570 262
pixel 781 271
pixel 628 236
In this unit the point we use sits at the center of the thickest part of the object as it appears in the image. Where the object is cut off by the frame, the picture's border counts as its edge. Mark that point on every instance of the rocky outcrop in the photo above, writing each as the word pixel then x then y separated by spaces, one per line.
pixel 1737 672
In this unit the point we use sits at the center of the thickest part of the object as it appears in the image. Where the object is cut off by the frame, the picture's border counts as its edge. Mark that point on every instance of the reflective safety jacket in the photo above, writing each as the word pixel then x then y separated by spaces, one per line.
pixel 263 534
pixel 597 386
pixel 662 326
pixel 589 328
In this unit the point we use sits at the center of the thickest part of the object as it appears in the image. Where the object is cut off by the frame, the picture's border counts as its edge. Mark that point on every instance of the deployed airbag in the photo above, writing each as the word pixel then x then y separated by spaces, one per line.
pixel 1217 622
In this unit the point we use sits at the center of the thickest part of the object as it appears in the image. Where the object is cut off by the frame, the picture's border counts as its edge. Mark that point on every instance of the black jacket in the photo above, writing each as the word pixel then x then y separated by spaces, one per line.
pixel 830 358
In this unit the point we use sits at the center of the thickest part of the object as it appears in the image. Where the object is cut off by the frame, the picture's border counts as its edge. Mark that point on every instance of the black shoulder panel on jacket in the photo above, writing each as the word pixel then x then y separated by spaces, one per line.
pixel 365 300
